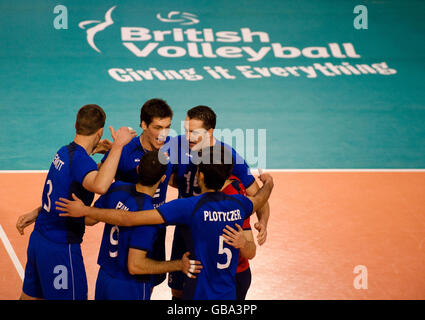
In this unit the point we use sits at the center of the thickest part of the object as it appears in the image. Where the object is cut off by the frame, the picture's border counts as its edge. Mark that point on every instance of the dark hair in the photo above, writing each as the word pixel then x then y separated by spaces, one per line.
pixel 155 108
pixel 90 118
pixel 152 167
pixel 205 114
pixel 216 165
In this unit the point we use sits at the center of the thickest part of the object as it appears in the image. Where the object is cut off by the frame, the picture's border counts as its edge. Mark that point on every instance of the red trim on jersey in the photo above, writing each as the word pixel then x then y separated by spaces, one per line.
pixel 236 187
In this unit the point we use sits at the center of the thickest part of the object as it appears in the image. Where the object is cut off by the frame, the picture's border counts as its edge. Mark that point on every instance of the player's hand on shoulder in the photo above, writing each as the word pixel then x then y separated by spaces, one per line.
pixel 234 237
pixel 72 208
pixel 190 267
pixel 102 147
pixel 122 136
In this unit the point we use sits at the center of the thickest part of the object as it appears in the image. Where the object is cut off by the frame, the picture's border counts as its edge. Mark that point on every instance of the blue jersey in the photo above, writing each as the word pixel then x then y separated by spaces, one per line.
pixel 185 170
pixel 207 215
pixel 66 174
pixel 117 241
pixel 127 172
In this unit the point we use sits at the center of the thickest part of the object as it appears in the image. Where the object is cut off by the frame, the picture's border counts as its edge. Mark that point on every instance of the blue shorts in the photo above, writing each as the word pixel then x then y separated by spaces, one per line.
pixel 54 271
pixel 109 288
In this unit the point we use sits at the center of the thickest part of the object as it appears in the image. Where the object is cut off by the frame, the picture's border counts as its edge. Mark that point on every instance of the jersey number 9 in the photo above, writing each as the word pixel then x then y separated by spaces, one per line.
pixel 114 242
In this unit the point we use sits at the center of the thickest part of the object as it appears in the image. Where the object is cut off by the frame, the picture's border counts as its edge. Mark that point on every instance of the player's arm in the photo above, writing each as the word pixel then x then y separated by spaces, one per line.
pixel 173 181
pixel 100 181
pixel 27 219
pixel 76 208
pixel 250 249
pixel 139 263
pixel 103 146
pixel 240 239
pixel 89 221
pixel 263 214
pixel 262 195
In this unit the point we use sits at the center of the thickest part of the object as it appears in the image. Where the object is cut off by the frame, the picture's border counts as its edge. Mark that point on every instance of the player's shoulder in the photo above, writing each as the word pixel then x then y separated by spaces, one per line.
pixel 145 201
pixel 235 186
pixel 74 151
pixel 242 199
pixel 228 147
pixel 121 186
pixel 133 144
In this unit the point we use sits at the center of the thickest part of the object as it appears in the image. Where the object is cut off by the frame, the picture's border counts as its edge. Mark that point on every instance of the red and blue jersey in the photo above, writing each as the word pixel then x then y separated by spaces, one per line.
pixel 69 167
pixel 207 215
pixel 116 241
pixel 236 187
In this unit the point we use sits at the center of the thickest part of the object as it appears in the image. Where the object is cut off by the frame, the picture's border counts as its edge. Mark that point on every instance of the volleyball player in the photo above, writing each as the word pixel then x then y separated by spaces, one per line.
pixel 207 215
pixel 55 268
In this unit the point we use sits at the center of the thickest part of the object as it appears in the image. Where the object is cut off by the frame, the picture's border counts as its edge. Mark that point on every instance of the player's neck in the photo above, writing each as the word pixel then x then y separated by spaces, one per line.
pixel 147 190
pixel 145 143
pixel 205 190
pixel 86 142
pixel 226 184
pixel 212 141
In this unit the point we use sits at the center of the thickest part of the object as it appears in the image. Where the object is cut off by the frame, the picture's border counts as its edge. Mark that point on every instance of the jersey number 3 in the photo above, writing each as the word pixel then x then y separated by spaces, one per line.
pixel 226 251
pixel 48 205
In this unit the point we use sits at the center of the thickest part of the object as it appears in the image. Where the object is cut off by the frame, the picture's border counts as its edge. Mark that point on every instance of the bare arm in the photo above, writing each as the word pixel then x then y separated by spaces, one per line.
pixel 173 181
pixel 27 219
pixel 123 218
pixel 100 181
pixel 102 147
pixel 139 263
pixel 263 214
pixel 89 221
pixel 240 239
pixel 262 195
pixel 249 250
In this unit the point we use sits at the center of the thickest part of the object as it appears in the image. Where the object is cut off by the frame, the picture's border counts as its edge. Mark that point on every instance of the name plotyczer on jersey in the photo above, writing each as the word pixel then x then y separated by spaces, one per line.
pixel 199 44
pixel 222 216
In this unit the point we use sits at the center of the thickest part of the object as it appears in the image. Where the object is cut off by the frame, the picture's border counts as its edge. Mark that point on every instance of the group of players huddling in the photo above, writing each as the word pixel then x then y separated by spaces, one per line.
pixel 212 239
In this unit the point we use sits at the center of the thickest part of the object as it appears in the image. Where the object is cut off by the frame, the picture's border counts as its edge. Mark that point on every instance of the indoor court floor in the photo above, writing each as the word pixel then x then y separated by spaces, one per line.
pixel 333 108
pixel 322 225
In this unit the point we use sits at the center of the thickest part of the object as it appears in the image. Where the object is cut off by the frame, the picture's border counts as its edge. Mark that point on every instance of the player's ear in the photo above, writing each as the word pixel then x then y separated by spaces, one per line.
pixel 200 177
pixel 143 125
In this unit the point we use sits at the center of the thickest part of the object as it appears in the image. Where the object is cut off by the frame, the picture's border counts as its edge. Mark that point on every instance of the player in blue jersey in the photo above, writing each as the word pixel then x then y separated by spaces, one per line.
pixel 155 121
pixel 207 215
pixel 199 125
pixel 125 258
pixel 55 268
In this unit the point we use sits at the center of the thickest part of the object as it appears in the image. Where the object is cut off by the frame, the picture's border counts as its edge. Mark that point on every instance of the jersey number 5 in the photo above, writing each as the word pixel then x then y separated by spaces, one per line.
pixel 226 251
